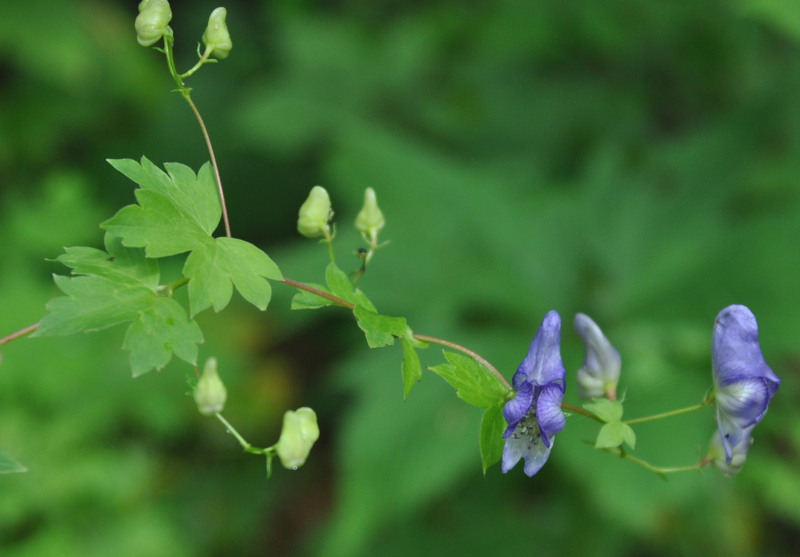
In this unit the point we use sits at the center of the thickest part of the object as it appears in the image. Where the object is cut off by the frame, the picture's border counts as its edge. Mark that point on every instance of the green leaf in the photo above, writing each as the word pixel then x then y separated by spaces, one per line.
pixel 176 212
pixel 161 330
pixel 491 437
pixel 118 263
pixel 92 303
pixel 412 370
pixel 380 330
pixel 10 466
pixel 195 195
pixel 214 268
pixel 474 383
pixel 613 434
pixel 362 300
pixel 606 410
pixel 307 300
pixel 339 284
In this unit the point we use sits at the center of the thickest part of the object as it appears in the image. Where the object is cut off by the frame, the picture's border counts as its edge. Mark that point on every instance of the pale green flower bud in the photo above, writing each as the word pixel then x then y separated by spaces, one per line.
pixel 216 36
pixel 210 393
pixel 152 21
pixel 370 219
pixel 300 431
pixel 315 213
pixel 599 374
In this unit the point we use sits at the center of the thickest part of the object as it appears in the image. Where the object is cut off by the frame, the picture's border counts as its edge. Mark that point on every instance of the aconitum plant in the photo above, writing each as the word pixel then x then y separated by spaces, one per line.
pixel 176 214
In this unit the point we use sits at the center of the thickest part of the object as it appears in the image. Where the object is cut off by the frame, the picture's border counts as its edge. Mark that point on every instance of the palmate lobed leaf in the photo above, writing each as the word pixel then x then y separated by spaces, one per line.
pixel 161 330
pixel 126 265
pixel 176 212
pixel 92 303
pixel 380 330
pixel 216 267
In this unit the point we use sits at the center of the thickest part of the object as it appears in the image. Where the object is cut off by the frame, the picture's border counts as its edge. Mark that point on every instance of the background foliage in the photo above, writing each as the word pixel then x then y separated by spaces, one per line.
pixel 635 161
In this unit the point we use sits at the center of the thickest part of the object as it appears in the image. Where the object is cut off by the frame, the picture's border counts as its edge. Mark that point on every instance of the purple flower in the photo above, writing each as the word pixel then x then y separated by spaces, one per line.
pixel 534 415
pixel 743 382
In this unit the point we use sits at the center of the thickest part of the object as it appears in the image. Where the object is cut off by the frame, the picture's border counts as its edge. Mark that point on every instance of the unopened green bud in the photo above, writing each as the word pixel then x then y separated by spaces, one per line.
pixel 315 213
pixel 152 21
pixel 216 36
pixel 210 393
pixel 300 431
pixel 370 219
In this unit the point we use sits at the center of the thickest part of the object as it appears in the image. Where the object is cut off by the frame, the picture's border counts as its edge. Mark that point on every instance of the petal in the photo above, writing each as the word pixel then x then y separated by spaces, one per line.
pixel 543 363
pixel 534 453
pixel 548 412
pixel 745 401
pixel 516 408
pixel 736 353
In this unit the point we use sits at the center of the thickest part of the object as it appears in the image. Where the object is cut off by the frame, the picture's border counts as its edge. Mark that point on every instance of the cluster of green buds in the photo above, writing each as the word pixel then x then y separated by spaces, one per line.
pixel 152 21
pixel 316 214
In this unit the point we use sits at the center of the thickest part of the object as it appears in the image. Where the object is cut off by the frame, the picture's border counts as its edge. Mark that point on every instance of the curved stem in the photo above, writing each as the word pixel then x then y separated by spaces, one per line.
pixel 186 94
pixel 213 161
pixel 245 445
pixel 21 333
pixel 474 355
pixel 424 338
pixel 709 399
pixel 661 470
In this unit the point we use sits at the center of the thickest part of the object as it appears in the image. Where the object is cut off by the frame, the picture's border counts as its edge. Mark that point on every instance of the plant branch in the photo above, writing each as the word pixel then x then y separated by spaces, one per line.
pixel 21 333
pixel 708 400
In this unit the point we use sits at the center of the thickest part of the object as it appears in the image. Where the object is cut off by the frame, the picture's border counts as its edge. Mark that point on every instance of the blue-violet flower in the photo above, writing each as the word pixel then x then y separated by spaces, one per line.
pixel 534 415
pixel 599 374
pixel 743 382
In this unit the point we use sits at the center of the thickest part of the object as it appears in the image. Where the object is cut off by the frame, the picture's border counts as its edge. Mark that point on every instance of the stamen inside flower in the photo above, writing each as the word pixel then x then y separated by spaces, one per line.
pixel 528 429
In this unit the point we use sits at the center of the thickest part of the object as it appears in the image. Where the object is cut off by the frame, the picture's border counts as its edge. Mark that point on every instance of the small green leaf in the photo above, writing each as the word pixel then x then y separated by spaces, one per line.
pixel 491 441
pixel 216 267
pixel 380 330
pixel 613 434
pixel 474 383
pixel 307 300
pixel 606 410
pixel 339 283
pixel 362 300
pixel 161 330
pixel 412 370
pixel 9 465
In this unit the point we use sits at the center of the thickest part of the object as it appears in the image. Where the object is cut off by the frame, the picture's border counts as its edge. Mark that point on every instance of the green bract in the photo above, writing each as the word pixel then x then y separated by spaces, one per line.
pixel 152 21
pixel 216 36
pixel 315 213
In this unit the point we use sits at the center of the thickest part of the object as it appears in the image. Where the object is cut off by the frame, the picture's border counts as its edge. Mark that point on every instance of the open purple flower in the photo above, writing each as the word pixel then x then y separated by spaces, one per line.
pixel 743 382
pixel 534 415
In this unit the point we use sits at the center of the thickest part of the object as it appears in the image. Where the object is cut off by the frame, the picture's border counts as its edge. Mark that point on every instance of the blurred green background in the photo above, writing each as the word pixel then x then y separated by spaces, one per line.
pixel 636 161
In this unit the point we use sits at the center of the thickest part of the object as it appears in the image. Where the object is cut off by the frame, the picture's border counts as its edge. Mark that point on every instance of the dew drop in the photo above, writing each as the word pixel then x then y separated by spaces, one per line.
pixel 294 467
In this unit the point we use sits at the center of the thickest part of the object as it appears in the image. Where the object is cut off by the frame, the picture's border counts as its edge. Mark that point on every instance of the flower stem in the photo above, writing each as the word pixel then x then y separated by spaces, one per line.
pixel 708 400
pixel 186 94
pixel 245 445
